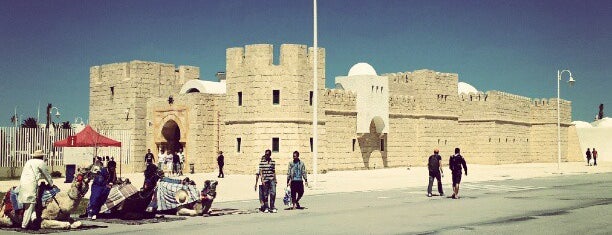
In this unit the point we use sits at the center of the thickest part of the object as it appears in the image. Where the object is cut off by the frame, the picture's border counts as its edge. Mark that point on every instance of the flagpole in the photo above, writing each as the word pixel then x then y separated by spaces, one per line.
pixel 315 102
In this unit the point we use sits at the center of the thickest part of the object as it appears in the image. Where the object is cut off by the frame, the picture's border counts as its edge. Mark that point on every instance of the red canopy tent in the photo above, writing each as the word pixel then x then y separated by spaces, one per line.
pixel 89 138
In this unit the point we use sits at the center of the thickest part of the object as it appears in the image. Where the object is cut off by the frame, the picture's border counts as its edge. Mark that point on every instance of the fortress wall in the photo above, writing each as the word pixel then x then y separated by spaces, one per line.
pixel 432 92
pixel 412 140
pixel 133 83
pixel 340 132
pixel 478 141
pixel 573 148
pixel 544 130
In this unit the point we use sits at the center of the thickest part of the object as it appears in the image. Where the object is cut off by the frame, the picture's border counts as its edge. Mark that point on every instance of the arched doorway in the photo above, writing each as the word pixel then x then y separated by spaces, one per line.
pixel 172 134
pixel 373 145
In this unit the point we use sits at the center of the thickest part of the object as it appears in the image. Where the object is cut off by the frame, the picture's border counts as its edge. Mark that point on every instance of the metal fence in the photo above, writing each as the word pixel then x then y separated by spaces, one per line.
pixel 17 144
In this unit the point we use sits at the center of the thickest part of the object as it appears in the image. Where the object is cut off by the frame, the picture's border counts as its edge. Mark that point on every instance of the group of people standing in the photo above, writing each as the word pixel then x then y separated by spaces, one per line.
pixel 590 154
pixel 455 163
pixel 173 162
pixel 265 181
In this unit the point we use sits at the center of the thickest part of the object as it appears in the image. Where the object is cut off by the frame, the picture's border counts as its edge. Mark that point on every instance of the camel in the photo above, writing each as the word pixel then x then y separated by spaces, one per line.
pixel 134 207
pixel 56 215
pixel 202 206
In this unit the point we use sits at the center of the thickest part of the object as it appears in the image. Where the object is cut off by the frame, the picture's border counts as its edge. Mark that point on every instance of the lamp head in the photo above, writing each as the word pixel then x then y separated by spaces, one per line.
pixel 57 114
pixel 571 81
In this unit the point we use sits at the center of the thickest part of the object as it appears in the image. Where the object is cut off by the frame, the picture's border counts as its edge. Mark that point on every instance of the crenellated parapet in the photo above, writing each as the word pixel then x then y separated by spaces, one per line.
pixel 545 111
pixel 259 89
pixel 339 100
pixel 254 59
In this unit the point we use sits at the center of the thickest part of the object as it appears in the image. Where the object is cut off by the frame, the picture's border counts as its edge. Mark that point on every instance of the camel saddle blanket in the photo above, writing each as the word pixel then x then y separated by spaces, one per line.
pixel 11 197
pixel 117 195
pixel 166 194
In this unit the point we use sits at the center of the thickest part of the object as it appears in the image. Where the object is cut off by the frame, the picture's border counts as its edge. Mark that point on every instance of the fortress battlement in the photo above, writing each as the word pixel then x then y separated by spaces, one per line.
pixel 141 70
pixel 338 99
pixel 293 58
pixel 543 102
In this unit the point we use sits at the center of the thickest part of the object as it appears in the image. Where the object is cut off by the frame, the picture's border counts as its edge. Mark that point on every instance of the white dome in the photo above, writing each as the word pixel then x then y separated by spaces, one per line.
pixel 465 88
pixel 362 69
pixel 582 124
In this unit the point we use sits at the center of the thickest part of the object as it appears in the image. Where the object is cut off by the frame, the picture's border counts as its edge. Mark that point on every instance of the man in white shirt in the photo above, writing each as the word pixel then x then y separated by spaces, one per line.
pixel 34 170
pixel 161 159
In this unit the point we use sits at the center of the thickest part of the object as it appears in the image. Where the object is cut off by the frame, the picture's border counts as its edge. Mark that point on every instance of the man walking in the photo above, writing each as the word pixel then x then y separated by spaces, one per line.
pixel 267 171
pixel 220 163
pixel 259 186
pixel 149 158
pixel 594 157
pixel 33 170
pixel 588 155
pixel 295 174
pixel 455 163
pixel 435 172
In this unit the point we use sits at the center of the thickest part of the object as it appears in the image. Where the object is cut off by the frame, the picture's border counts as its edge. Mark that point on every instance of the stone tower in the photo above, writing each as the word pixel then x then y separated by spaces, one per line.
pixel 264 98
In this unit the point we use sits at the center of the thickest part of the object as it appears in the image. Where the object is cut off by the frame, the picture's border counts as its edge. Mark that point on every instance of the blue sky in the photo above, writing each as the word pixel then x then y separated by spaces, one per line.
pixel 513 46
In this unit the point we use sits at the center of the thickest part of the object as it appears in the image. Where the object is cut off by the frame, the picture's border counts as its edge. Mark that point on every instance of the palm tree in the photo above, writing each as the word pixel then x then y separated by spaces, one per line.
pixel 29 123
pixel 66 125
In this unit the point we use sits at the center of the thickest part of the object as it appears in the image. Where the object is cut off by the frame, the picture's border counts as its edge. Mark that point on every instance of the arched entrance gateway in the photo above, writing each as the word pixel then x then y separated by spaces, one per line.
pixel 373 145
pixel 171 132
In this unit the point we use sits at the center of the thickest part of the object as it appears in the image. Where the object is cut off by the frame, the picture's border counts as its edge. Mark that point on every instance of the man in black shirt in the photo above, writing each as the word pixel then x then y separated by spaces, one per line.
pixel 455 163
pixel 435 171
pixel 149 157
pixel 220 163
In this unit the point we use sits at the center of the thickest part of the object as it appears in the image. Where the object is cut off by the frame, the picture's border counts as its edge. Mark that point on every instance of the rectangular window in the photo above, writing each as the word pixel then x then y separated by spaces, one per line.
pixel 112 90
pixel 275 144
pixel 238 143
pixel 275 96
pixel 311 145
pixel 311 94
pixel 382 144
pixel 240 98
pixel 354 142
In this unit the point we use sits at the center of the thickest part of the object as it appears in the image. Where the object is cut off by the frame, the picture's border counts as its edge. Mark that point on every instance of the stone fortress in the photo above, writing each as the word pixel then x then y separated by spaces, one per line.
pixel 368 121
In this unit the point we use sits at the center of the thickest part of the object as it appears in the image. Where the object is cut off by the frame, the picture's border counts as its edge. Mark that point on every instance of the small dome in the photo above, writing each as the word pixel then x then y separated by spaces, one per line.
pixel 465 88
pixel 582 124
pixel 362 69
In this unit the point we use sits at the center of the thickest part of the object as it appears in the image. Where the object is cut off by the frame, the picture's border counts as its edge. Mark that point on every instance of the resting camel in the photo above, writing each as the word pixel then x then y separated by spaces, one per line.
pixel 135 206
pixel 201 206
pixel 56 215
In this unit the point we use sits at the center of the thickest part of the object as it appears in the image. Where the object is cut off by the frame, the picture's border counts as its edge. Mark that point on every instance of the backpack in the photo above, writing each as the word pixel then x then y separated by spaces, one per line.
pixel 434 163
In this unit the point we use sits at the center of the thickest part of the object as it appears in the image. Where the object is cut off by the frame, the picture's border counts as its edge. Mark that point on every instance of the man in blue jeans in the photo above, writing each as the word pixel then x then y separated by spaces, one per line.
pixel 435 172
pixel 267 172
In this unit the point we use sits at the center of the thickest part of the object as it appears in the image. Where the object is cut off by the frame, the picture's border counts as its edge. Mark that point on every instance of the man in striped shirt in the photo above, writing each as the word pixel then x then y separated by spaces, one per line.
pixel 267 172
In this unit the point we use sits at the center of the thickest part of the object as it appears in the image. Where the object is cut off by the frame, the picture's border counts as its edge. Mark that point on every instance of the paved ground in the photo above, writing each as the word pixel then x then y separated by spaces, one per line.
pixel 566 204
pixel 505 199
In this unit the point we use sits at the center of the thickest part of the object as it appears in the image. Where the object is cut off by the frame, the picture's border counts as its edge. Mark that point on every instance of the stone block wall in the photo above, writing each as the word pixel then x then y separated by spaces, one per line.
pixel 126 87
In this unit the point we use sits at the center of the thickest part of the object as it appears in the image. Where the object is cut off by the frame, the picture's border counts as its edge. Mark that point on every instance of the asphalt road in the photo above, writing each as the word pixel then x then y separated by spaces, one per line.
pixel 565 204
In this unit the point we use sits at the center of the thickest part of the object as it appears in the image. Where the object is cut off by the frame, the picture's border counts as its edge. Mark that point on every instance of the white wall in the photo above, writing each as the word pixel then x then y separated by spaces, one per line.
pixel 599 138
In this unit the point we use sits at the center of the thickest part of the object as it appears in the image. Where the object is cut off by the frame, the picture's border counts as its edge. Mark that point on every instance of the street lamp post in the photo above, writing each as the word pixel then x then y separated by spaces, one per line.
pixel 51 134
pixel 571 82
